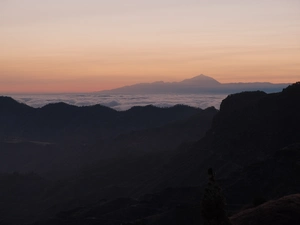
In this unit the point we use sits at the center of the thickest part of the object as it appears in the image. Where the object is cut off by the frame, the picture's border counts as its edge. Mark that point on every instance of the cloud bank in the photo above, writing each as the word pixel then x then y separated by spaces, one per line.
pixel 121 102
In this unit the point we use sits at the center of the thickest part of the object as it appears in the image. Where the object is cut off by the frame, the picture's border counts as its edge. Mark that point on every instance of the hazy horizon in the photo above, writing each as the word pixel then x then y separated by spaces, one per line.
pixel 95 91
pixel 84 46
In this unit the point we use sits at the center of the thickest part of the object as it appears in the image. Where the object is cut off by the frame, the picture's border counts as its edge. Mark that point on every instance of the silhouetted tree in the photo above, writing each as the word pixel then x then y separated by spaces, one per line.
pixel 213 203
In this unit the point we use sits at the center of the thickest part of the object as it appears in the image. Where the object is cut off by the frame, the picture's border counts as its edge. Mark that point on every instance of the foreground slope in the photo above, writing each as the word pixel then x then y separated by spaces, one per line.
pixel 283 211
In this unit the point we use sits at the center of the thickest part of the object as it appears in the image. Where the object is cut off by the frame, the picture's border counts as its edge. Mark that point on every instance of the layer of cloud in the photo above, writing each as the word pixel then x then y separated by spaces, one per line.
pixel 121 102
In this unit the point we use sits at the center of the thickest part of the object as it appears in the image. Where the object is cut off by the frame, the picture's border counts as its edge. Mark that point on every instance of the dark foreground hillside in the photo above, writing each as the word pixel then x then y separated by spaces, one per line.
pixel 61 156
pixel 283 211
pixel 157 175
pixel 60 138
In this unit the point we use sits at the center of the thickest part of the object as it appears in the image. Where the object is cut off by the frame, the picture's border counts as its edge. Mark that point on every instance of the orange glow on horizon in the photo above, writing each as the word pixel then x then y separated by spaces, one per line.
pixel 67 46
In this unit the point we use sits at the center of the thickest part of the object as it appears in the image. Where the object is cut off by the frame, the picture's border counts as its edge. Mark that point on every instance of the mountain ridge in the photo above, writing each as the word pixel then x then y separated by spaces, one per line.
pixel 198 84
pixel 58 120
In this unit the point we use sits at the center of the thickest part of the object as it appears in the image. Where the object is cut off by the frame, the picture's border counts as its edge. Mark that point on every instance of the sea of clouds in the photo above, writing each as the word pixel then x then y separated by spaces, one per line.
pixel 121 102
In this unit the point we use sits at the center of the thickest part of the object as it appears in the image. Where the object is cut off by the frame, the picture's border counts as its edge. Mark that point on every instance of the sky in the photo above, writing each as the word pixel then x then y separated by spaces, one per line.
pixel 92 45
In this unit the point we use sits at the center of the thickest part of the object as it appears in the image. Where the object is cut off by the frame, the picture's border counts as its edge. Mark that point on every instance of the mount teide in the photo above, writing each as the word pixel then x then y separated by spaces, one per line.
pixel 197 85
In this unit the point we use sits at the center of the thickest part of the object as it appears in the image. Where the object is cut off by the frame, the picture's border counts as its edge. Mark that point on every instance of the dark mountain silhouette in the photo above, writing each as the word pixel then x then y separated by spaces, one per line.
pixel 59 120
pixel 155 171
pixel 139 136
pixel 250 127
pixel 11 106
pixel 255 120
pixel 44 139
pixel 198 84
pixel 48 156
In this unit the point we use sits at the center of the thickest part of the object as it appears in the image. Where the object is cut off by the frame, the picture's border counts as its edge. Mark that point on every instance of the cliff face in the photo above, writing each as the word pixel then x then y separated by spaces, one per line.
pixel 252 125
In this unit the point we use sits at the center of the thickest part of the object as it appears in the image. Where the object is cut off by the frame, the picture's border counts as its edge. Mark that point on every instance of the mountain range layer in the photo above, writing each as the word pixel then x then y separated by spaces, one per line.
pixel 199 84
pixel 153 170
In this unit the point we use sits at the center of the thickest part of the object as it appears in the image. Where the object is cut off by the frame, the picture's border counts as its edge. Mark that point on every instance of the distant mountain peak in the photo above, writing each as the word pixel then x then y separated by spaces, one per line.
pixel 197 84
pixel 206 80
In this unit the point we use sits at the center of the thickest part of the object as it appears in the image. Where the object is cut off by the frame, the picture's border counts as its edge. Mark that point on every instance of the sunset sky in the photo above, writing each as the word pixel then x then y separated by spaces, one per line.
pixel 91 45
